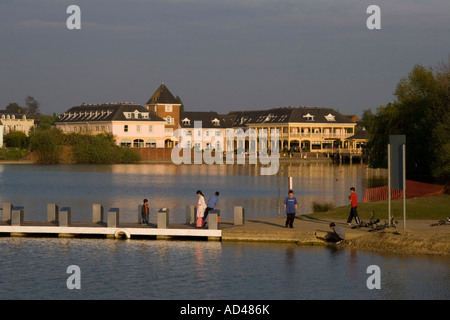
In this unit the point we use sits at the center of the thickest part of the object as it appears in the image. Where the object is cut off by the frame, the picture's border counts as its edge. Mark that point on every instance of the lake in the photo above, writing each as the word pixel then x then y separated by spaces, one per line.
pixel 36 268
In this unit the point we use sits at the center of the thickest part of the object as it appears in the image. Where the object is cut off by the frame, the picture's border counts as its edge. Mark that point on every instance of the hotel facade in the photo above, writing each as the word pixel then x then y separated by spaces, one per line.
pixel 162 124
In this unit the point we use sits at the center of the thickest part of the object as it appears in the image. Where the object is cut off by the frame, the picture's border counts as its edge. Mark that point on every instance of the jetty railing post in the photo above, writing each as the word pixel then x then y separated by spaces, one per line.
pixel 65 217
pixel 97 213
pixel 190 214
pixel 52 212
pixel 213 219
pixel 163 218
pixel 7 209
pixel 113 218
pixel 239 216
pixel 17 216
pixel 139 214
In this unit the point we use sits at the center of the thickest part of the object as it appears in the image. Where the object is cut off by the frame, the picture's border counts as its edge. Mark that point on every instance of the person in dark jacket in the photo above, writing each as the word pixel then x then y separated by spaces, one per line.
pixel 336 235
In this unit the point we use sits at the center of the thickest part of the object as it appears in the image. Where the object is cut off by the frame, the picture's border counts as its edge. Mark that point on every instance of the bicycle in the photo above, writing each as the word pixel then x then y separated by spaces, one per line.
pixel 441 222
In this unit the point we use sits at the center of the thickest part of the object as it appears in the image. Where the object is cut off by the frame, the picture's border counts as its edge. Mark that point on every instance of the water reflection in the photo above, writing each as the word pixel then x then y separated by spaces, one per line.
pixel 172 186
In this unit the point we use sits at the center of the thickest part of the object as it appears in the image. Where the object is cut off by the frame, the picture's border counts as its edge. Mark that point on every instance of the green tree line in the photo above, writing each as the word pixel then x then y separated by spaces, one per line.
pixel 48 143
pixel 421 111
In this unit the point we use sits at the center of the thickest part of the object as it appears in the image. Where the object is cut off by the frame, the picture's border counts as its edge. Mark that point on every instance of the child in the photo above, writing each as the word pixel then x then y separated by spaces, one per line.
pixel 144 212
pixel 290 206
pixel 353 197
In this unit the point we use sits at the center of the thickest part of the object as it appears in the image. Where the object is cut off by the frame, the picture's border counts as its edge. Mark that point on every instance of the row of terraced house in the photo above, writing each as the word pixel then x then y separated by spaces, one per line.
pixel 155 125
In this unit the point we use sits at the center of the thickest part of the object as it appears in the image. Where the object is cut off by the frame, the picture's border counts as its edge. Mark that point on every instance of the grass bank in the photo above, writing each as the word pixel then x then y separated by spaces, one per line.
pixel 430 207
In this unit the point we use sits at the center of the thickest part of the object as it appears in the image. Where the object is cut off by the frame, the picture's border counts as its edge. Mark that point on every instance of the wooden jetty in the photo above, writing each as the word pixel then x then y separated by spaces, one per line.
pixel 59 224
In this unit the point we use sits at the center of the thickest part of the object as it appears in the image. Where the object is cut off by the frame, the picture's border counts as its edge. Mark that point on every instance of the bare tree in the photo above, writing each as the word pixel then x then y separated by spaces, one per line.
pixel 32 105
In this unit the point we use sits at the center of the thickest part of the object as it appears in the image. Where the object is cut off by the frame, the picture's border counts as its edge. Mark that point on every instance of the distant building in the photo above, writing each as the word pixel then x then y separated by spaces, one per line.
pixel 15 122
pixel 300 128
pixel 132 125
pixel 166 106
pixel 212 133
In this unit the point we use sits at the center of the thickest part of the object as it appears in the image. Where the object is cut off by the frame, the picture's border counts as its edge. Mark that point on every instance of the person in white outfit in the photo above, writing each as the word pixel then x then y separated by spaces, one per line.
pixel 201 206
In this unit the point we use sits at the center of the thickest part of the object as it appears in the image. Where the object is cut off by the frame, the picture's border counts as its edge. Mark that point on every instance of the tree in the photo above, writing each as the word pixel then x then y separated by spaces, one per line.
pixel 421 112
pixel 13 107
pixel 32 106
pixel 180 102
pixel 47 142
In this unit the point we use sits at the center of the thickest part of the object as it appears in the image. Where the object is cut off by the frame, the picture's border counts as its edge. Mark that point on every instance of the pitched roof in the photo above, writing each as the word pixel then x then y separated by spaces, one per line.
pixel 288 114
pixel 209 119
pixel 162 95
pixel 361 135
pixel 124 111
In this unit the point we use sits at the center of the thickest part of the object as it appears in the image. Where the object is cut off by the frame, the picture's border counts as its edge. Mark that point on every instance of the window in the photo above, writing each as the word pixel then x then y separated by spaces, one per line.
pixel 186 122
pixel 150 128
pixel 169 120
pixel 308 117
pixel 168 108
pixel 125 128
pixel 150 143
pixel 138 143
pixel 138 128
pixel 316 145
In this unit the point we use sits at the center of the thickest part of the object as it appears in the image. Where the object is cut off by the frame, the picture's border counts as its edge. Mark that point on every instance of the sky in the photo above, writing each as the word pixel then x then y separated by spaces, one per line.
pixel 217 55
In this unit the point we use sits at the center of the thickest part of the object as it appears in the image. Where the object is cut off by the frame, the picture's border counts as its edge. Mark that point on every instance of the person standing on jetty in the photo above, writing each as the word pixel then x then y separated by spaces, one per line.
pixel 213 204
pixel 353 197
pixel 290 206
pixel 201 206
pixel 144 212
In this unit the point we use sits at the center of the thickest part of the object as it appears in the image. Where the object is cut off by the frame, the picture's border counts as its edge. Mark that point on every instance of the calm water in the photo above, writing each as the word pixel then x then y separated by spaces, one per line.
pixel 174 187
pixel 35 268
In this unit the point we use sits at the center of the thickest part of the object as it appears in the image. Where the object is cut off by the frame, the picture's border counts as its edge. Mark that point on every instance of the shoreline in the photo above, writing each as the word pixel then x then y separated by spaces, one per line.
pixel 418 239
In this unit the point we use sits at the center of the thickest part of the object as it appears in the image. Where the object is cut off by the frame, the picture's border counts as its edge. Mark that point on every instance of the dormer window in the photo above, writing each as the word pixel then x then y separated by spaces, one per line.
pixel 269 117
pixel 216 122
pixel 186 122
pixel 308 117
pixel 136 114
pixel 330 117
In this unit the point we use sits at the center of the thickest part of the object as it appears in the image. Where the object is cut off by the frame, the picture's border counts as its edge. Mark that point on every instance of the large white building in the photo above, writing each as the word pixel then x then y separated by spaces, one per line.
pixel 131 124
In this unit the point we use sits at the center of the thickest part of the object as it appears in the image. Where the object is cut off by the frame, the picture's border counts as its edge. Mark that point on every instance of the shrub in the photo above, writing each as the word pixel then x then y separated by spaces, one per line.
pixel 47 143
pixel 322 207
pixel 17 139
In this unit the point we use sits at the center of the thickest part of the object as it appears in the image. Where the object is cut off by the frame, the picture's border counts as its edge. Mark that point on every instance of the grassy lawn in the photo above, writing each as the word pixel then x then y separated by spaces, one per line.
pixel 431 207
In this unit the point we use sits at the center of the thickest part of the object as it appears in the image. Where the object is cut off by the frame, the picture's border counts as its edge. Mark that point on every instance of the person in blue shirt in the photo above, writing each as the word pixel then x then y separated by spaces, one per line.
pixel 290 206
pixel 213 203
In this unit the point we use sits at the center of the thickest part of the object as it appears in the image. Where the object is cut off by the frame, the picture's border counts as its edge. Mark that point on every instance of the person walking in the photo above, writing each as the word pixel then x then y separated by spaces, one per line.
pixel 353 197
pixel 290 207
pixel 144 212
pixel 213 204
pixel 200 206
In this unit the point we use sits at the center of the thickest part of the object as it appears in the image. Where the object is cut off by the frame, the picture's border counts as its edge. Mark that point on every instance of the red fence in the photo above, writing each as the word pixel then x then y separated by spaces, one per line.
pixel 413 189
